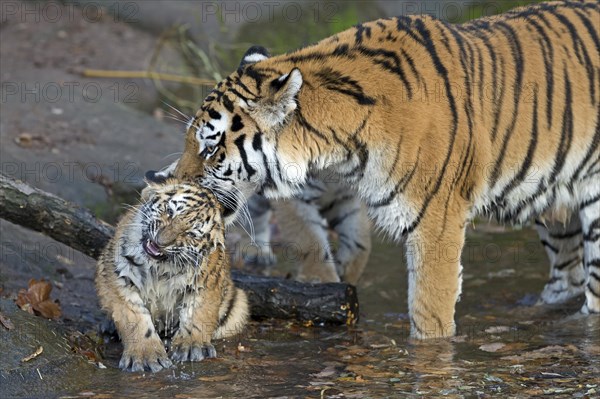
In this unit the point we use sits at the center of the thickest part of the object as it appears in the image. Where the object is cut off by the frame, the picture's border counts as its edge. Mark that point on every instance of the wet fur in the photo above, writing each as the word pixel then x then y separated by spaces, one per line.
pixel 190 297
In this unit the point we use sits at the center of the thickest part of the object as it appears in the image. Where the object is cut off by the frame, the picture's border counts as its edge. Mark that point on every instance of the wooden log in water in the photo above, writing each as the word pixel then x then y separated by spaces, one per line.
pixel 77 227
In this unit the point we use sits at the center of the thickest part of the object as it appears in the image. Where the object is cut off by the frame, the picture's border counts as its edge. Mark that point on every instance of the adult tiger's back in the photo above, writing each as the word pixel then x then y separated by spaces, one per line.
pixel 432 124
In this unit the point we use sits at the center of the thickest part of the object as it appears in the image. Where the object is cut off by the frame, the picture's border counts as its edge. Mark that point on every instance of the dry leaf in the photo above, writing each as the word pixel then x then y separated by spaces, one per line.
pixel 6 322
pixel 29 140
pixel 36 300
pixel 35 354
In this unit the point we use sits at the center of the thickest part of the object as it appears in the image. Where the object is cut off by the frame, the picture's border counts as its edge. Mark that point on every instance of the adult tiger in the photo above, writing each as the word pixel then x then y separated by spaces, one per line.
pixel 432 124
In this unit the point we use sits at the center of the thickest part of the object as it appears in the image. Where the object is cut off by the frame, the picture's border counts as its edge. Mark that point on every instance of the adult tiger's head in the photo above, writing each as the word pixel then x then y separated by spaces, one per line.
pixel 177 223
pixel 231 145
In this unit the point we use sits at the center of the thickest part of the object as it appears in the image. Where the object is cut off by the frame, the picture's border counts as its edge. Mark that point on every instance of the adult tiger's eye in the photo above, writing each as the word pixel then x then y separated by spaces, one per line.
pixel 208 151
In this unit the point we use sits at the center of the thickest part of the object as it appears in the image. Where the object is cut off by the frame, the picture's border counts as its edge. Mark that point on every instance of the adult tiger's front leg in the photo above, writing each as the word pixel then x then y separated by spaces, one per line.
pixel 433 252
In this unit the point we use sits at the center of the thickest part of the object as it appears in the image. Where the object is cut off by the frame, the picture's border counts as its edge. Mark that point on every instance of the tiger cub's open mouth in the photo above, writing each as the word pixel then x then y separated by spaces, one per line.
pixel 152 249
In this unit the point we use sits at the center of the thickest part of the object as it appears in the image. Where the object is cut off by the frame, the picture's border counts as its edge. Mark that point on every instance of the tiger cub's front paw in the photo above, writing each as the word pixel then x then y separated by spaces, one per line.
pixel 145 356
pixel 188 350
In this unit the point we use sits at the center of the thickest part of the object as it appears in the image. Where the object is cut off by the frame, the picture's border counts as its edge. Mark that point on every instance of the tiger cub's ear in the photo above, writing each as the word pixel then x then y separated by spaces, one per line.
pixel 150 190
pixel 280 102
pixel 147 193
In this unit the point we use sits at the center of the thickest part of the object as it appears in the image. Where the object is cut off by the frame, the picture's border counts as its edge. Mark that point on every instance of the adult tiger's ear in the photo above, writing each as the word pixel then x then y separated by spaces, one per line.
pixel 280 101
pixel 253 55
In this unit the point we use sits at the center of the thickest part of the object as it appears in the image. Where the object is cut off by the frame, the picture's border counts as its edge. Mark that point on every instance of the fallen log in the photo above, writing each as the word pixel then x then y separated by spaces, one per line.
pixel 77 227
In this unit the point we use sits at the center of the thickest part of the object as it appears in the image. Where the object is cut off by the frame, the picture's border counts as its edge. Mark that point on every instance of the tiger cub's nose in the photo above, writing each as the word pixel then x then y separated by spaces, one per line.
pixel 166 237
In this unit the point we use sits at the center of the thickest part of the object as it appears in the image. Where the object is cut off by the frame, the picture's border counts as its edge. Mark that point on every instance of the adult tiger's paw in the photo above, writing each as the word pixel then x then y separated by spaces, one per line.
pixel 193 352
pixel 145 358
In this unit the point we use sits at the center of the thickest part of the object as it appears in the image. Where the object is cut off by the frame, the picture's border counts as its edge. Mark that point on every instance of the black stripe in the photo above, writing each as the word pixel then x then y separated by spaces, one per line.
pixel 549 246
pixel 590 289
pixel 590 235
pixel 404 24
pixel 299 58
pixel 225 316
pixel 239 82
pixel 360 31
pixel 411 64
pixel 362 151
pixel 466 58
pixel 481 65
pixel 339 219
pixel 306 125
pixel 336 81
pixel 492 52
pixel 395 161
pixel 341 50
pixel 548 55
pixel 566 131
pixel 467 187
pixel 590 28
pixel 398 188
pixel 520 176
pixel 580 50
pixel 445 39
pixel 213 114
pixel 239 142
pixel 255 74
pixel 589 202
pixel 592 32
pixel 567 264
pixel 443 72
pixel 517 54
pixel 227 103
pixel 593 148
pixel 389 61
pixel 257 145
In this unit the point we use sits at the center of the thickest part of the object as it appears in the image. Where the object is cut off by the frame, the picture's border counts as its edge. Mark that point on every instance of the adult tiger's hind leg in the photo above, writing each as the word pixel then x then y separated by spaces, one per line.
pixel 347 215
pixel 305 232
pixel 261 212
pixel 564 245
pixel 590 222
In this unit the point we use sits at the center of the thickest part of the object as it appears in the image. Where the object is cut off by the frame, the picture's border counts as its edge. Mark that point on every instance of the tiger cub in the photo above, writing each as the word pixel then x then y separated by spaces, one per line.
pixel 166 272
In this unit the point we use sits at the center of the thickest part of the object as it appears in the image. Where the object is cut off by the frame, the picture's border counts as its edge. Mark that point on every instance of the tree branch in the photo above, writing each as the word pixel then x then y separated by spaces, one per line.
pixel 78 228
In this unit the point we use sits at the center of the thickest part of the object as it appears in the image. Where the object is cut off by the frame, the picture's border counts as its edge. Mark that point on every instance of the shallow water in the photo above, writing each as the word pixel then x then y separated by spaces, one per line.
pixel 505 345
